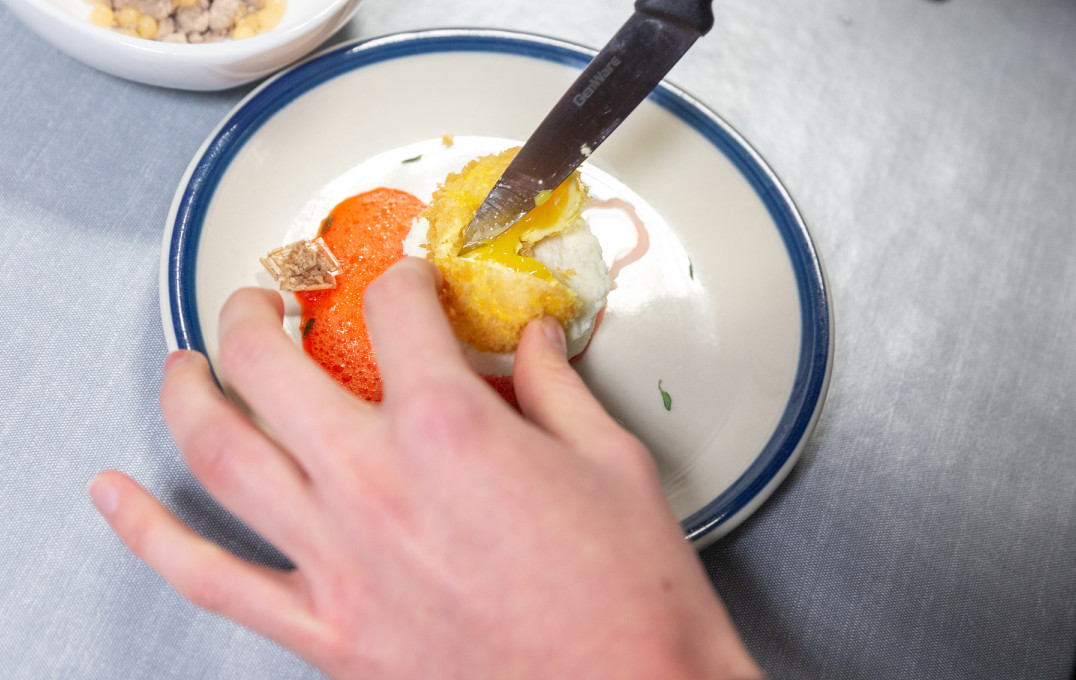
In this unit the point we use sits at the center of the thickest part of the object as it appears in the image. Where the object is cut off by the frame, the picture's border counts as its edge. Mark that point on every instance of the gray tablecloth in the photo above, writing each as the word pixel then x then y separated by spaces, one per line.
pixel 929 530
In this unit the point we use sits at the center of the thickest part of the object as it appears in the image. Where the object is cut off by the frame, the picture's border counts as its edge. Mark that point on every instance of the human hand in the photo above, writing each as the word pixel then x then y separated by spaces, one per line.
pixel 439 534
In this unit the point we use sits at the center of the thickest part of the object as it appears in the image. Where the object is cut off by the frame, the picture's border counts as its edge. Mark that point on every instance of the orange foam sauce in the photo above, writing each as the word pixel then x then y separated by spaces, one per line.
pixel 366 234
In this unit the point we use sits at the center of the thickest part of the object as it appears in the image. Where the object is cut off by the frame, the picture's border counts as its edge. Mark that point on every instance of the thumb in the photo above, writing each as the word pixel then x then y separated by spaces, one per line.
pixel 553 396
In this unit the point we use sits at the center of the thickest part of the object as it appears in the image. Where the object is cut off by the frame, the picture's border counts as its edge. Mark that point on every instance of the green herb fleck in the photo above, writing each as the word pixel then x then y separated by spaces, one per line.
pixel 542 197
pixel 412 160
pixel 691 270
pixel 307 326
pixel 325 224
pixel 665 397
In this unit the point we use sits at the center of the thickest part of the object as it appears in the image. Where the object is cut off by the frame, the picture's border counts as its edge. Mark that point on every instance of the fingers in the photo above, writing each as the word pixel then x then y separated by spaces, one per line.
pixel 408 329
pixel 553 396
pixel 301 404
pixel 267 601
pixel 232 458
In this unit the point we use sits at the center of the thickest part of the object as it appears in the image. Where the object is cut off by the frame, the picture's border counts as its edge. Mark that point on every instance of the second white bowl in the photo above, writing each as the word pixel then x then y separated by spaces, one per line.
pixel 211 66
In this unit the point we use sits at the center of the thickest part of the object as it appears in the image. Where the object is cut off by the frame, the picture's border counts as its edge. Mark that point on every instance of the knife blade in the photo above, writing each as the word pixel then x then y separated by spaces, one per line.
pixel 612 85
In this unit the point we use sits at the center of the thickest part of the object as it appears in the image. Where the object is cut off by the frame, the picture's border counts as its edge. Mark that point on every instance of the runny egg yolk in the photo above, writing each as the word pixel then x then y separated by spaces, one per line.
pixel 554 214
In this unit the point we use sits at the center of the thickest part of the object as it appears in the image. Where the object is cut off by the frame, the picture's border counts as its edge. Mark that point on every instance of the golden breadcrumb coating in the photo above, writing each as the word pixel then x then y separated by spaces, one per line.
pixel 490 298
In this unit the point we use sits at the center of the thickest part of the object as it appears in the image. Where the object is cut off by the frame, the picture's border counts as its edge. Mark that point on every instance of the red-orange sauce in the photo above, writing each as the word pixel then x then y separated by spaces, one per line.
pixel 366 234
pixel 503 385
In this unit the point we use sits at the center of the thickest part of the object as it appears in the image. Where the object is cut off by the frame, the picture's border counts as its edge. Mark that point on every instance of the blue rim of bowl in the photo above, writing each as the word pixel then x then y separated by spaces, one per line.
pixel 809 386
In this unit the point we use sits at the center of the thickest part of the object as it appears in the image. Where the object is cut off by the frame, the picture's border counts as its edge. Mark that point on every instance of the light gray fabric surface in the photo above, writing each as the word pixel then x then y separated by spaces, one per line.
pixel 928 532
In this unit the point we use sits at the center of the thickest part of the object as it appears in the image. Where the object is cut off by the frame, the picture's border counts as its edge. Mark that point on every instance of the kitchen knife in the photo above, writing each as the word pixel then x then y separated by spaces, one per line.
pixel 612 85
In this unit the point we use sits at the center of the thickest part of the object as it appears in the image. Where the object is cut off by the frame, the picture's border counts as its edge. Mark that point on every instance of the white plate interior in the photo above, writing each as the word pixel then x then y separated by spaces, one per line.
pixel 713 311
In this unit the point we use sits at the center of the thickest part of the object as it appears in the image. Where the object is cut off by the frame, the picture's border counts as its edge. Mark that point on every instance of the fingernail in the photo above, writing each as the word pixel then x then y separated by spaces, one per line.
pixel 555 334
pixel 426 266
pixel 438 277
pixel 174 358
pixel 103 495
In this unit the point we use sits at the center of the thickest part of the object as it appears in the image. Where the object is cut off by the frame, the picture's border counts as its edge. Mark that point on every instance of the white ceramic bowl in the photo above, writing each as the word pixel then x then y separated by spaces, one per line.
pixel 728 309
pixel 214 66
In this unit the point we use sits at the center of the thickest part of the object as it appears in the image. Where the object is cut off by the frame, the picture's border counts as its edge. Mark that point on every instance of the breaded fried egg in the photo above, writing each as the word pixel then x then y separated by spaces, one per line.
pixel 547 264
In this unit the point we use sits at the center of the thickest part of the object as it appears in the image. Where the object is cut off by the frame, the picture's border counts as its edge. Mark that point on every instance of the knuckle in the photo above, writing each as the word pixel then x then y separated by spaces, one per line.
pixel 404 280
pixel 440 416
pixel 335 652
pixel 563 378
pixel 207 453
pixel 168 396
pixel 338 440
pixel 542 379
pixel 631 458
pixel 136 535
pixel 178 383
pixel 204 592
pixel 243 348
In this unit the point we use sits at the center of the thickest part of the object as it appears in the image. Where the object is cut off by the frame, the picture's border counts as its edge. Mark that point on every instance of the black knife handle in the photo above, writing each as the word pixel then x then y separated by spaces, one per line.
pixel 697 14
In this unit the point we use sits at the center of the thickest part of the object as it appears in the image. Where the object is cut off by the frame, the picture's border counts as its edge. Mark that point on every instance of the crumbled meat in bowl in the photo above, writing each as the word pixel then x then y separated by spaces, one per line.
pixel 188 21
